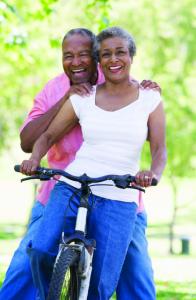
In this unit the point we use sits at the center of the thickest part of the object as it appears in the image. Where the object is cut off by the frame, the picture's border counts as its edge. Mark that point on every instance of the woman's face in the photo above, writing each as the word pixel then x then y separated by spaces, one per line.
pixel 115 59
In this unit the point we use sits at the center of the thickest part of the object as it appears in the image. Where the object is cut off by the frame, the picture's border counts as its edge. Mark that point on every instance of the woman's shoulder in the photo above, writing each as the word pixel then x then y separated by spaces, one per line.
pixel 150 99
pixel 83 100
pixel 150 93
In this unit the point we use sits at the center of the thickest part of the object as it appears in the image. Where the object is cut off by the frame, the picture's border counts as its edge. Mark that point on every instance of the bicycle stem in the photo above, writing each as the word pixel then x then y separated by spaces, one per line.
pixel 83 209
pixel 81 219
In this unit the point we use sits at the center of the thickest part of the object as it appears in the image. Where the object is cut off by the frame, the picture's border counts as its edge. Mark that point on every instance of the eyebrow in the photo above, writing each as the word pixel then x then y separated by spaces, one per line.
pixel 118 48
pixel 82 51
pixel 85 50
pixel 67 52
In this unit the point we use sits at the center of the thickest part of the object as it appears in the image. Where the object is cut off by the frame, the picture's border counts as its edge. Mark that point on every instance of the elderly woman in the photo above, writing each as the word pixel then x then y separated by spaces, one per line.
pixel 115 119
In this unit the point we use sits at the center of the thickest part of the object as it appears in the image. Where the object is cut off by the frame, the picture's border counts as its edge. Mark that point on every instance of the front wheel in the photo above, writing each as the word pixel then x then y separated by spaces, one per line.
pixel 65 283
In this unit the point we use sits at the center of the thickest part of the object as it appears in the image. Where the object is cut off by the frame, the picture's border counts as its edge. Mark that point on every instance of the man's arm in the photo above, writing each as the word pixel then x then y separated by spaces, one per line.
pixel 64 121
pixel 33 130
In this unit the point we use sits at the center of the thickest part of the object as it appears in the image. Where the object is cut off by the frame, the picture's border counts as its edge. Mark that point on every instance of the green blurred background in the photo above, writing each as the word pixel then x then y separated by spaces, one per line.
pixel 164 31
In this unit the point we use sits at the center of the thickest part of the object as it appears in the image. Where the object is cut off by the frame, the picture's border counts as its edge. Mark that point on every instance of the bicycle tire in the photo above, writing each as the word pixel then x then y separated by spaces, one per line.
pixel 65 282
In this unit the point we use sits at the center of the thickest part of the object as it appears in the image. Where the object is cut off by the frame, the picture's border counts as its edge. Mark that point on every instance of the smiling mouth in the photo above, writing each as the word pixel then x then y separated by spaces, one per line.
pixel 78 71
pixel 115 68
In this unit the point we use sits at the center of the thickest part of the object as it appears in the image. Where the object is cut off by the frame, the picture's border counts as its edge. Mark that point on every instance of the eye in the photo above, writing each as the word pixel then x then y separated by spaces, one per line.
pixel 85 54
pixel 121 52
pixel 67 56
pixel 105 55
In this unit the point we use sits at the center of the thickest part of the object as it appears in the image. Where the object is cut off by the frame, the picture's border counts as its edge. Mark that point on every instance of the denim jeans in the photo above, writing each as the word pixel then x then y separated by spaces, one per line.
pixel 136 280
pixel 111 223
pixel 18 283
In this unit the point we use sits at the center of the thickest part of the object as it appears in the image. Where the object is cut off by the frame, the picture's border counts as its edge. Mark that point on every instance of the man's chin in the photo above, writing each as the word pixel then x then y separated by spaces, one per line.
pixel 79 80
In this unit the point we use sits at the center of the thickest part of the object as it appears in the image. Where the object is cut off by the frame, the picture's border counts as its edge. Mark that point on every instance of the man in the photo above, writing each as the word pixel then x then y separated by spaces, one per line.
pixel 80 73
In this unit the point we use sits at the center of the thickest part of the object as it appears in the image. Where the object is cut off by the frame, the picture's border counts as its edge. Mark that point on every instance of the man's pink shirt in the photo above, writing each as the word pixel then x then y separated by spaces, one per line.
pixel 62 153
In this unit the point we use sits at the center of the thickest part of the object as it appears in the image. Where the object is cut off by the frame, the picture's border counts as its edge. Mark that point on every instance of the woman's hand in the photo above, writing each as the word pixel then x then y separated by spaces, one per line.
pixel 28 167
pixel 144 178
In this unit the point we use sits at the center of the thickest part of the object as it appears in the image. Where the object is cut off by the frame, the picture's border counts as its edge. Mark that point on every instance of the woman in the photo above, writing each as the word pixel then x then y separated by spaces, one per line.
pixel 115 120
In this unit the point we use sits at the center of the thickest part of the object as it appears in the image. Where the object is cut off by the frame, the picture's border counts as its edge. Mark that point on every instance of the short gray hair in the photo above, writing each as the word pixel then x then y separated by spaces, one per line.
pixel 86 33
pixel 115 31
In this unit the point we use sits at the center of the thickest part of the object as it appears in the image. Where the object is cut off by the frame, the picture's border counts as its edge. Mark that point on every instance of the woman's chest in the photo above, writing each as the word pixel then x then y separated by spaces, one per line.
pixel 124 126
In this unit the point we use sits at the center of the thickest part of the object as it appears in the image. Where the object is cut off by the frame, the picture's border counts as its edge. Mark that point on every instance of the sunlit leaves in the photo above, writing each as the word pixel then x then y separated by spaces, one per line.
pixel 97 14
pixel 30 39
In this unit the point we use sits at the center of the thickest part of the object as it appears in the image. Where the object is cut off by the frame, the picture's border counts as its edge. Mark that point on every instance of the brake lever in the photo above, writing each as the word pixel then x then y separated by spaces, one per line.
pixel 41 177
pixel 136 187
pixel 30 177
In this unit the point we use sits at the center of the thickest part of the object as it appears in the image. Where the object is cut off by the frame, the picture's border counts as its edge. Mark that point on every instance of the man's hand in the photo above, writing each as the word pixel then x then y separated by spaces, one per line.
pixel 148 84
pixel 82 89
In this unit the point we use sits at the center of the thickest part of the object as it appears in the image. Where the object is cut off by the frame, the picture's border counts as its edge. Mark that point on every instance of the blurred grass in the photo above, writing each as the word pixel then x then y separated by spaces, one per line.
pixel 166 290
pixel 11 231
pixel 176 290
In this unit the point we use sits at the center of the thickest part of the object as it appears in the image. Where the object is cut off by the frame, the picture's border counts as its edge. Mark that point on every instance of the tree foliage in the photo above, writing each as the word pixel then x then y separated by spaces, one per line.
pixel 30 45
pixel 30 39
pixel 97 14
pixel 20 57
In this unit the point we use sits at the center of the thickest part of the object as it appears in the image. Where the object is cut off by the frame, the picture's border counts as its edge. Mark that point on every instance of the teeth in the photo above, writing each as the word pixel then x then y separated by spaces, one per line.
pixel 78 70
pixel 115 68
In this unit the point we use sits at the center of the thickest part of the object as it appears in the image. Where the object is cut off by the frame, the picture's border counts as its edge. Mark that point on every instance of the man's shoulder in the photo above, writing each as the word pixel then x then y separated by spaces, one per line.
pixel 53 90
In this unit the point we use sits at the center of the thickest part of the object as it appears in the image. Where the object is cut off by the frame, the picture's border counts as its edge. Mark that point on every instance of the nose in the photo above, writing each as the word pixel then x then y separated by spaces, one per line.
pixel 76 61
pixel 114 57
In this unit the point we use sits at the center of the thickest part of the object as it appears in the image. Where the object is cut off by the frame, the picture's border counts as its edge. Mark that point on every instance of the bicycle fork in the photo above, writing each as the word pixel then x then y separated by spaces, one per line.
pixel 86 255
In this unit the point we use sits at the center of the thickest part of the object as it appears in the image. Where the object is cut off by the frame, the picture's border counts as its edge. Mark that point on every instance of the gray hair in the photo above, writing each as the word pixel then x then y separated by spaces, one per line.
pixel 86 33
pixel 115 31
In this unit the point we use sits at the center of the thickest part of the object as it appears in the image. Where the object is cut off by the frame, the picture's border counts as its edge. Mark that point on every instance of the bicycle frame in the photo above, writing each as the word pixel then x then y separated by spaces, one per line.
pixel 78 242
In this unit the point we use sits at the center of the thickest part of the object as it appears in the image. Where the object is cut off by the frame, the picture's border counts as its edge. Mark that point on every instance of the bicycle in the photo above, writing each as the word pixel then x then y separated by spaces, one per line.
pixel 73 265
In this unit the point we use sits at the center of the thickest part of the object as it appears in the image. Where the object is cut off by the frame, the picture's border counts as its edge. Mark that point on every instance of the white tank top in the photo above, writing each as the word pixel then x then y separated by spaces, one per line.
pixel 113 141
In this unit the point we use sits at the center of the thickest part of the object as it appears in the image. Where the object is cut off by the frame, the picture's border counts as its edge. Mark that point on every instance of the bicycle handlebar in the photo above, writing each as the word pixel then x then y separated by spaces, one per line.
pixel 121 181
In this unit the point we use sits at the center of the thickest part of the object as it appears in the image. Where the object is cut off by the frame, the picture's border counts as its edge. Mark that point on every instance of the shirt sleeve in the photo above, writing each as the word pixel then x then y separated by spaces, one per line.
pixel 153 101
pixel 77 103
pixel 39 108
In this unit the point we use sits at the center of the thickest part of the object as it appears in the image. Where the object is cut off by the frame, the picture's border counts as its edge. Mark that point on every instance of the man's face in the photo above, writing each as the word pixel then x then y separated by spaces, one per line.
pixel 78 63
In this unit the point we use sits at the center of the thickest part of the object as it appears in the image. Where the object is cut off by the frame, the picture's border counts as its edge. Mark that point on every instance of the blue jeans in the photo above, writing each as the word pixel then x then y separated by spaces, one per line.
pixel 135 281
pixel 18 283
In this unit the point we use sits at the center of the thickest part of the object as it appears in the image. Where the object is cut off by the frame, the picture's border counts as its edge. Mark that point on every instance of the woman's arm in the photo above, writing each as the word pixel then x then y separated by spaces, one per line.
pixel 33 130
pixel 156 127
pixel 64 121
pixel 156 137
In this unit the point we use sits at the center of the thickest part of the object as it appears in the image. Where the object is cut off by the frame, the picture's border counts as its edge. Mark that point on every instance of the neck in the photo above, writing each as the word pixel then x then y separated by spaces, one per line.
pixel 94 78
pixel 117 87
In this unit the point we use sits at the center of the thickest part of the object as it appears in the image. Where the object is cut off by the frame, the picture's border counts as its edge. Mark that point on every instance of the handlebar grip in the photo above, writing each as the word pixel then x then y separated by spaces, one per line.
pixel 154 181
pixel 17 168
